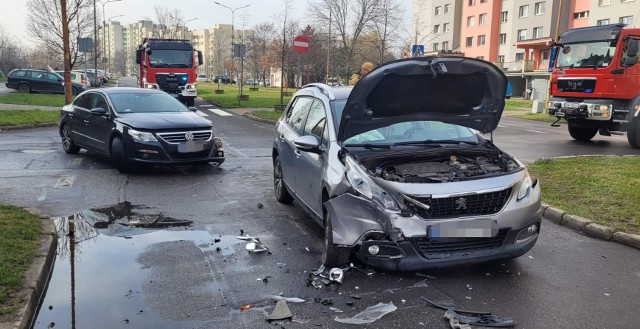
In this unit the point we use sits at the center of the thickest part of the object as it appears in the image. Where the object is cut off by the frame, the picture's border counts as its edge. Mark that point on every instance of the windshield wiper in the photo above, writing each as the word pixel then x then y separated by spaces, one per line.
pixel 436 141
pixel 370 146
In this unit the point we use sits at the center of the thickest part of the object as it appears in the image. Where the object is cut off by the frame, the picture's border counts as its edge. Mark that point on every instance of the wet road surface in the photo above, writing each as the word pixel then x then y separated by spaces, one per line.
pixel 178 278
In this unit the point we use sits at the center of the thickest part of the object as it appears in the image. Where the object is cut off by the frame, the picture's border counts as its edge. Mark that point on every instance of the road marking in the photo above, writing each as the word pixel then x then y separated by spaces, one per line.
pixel 501 126
pixel 221 113
pixel 206 105
pixel 202 114
pixel 75 162
pixel 535 131
pixel 43 195
pixel 65 181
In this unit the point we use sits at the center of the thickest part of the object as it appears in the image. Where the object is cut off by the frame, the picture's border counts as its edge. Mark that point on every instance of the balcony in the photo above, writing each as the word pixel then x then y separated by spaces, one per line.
pixel 523 66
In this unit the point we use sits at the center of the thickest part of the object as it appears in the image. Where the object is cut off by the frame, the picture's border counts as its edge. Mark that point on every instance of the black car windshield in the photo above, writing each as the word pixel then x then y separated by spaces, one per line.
pixel 170 58
pixel 415 132
pixel 140 102
pixel 591 54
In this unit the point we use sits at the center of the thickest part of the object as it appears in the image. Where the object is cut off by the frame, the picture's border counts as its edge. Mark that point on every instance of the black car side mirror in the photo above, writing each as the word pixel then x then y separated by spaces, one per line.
pixel 194 109
pixel 98 111
pixel 308 144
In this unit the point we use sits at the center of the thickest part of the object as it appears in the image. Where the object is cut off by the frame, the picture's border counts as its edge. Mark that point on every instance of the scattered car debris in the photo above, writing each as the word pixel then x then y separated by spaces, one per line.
pixel 370 314
pixel 245 307
pixel 421 284
pixel 307 249
pixel 280 312
pixel 335 309
pixel 324 301
pixel 266 279
pixel 260 205
pixel 607 294
pixel 531 257
pixel 460 319
pixel 299 321
pixel 336 275
pixel 356 296
pixel 469 287
pixel 350 304
pixel 216 240
pixel 427 276
pixel 288 299
pixel 281 265
pixel 255 245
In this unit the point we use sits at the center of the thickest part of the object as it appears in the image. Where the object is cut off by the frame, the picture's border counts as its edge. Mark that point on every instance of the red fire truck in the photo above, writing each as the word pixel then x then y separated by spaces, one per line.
pixel 595 82
pixel 169 65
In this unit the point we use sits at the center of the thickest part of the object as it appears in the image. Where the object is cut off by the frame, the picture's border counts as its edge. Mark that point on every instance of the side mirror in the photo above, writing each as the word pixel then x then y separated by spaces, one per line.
pixel 632 53
pixel 193 109
pixel 98 111
pixel 308 143
pixel 199 58
pixel 138 56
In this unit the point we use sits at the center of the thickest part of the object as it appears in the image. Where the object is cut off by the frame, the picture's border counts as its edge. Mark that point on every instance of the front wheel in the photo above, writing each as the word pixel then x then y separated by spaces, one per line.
pixel 280 190
pixel 119 156
pixel 24 88
pixel 633 133
pixel 190 101
pixel 582 133
pixel 332 255
pixel 68 145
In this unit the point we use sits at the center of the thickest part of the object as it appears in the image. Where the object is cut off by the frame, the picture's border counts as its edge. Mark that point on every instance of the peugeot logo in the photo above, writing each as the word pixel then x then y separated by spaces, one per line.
pixel 461 203
pixel 189 137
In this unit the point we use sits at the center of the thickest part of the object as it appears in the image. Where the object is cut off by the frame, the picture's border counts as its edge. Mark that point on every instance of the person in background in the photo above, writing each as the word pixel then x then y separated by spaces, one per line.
pixel 364 70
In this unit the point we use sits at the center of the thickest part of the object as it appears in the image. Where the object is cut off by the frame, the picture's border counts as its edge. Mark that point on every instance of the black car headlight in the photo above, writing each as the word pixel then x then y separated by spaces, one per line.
pixel 365 186
pixel 141 136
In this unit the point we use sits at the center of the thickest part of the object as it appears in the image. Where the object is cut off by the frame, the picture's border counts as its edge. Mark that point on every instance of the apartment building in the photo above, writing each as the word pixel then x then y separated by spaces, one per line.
pixel 436 24
pixel 201 40
pixel 480 27
pixel 615 11
pixel 579 11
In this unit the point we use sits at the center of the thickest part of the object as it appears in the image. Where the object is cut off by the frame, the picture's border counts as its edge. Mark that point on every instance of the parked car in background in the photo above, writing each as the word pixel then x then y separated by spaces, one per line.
pixel 77 77
pixel 250 82
pixel 202 78
pixel 92 79
pixel 397 171
pixel 137 126
pixel 29 80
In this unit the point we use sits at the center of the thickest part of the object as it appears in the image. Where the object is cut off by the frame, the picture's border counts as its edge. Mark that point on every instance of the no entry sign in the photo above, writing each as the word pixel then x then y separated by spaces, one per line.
pixel 301 44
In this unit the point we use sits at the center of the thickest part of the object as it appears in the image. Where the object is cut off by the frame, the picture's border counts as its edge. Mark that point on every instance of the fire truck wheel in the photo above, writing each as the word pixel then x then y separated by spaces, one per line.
pixel 633 133
pixel 190 101
pixel 582 133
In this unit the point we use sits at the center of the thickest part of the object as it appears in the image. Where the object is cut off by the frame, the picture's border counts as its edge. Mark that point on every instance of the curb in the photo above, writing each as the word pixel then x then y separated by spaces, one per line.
pixel 589 228
pixel 255 118
pixel 37 125
pixel 37 275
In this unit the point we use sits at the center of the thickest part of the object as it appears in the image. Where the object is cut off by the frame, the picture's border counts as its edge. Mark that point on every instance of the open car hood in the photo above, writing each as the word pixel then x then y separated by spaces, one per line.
pixel 463 91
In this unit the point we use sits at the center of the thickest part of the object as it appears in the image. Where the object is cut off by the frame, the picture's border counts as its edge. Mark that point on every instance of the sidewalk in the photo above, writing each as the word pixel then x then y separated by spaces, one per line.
pixel 28 107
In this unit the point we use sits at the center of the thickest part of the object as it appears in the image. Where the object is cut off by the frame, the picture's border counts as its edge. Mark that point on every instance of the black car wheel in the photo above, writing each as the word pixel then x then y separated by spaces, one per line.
pixel 74 91
pixel 24 88
pixel 119 156
pixel 68 145
pixel 332 255
pixel 282 195
pixel 582 133
pixel 633 132
pixel 190 101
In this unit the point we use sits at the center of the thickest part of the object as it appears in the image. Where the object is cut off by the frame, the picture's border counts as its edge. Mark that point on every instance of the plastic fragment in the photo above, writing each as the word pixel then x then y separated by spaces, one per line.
pixel 319 270
pixel 427 276
pixel 421 284
pixel 245 307
pixel 281 311
pixel 281 265
pixel 454 321
pixel 469 287
pixel 288 299
pixel 336 275
pixel 260 205
pixel 370 314
pixel 335 309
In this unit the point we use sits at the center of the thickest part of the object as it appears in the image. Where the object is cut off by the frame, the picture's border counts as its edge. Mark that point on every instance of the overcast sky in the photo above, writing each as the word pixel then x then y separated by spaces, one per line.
pixel 13 15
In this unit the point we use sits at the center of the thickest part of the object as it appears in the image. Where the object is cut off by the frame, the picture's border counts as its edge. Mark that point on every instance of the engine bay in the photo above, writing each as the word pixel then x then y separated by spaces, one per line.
pixel 445 169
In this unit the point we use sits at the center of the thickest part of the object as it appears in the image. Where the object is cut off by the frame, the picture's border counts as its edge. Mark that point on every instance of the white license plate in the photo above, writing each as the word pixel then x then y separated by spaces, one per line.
pixel 571 105
pixel 190 146
pixel 464 229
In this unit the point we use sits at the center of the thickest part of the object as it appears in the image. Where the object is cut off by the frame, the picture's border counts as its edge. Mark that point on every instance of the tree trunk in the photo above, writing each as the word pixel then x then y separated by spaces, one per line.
pixel 68 97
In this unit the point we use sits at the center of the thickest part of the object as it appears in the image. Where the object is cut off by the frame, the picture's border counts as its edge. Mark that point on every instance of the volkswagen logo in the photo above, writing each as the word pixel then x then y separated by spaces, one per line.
pixel 189 137
pixel 461 203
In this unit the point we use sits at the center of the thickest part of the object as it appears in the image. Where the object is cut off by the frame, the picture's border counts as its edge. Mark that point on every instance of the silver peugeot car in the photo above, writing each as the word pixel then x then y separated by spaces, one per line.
pixel 397 170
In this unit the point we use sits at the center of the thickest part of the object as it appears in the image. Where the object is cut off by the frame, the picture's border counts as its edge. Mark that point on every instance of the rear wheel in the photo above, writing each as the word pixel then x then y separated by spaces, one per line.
pixel 582 133
pixel 67 143
pixel 332 255
pixel 119 156
pixel 74 91
pixel 190 101
pixel 24 88
pixel 633 133
pixel 280 190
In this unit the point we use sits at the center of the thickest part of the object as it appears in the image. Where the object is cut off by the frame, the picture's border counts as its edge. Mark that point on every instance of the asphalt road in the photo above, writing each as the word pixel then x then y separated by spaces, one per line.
pixel 178 279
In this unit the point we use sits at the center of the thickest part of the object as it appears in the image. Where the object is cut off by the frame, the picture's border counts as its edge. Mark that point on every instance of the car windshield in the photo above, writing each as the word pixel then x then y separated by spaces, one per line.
pixel 136 102
pixel 170 58
pixel 591 54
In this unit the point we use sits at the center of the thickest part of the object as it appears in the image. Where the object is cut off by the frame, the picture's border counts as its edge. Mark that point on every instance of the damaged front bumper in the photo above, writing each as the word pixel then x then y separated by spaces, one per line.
pixel 384 239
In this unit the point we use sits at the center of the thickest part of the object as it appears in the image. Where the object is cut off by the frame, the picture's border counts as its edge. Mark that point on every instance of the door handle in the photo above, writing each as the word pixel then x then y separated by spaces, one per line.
pixel 282 137
pixel 297 152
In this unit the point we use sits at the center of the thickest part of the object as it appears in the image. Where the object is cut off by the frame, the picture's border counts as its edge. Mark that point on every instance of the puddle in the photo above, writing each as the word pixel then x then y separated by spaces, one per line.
pixel 124 267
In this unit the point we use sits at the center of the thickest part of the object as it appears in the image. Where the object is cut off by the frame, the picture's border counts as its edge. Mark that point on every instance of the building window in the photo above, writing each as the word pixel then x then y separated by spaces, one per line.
pixel 500 58
pixel 627 20
pixel 580 15
pixel 435 47
pixel 447 8
pixel 472 2
pixel 545 55
pixel 481 40
pixel 522 35
pixel 603 21
pixel 469 41
pixel 483 19
pixel 446 27
pixel 471 21
pixel 539 8
pixel 436 28
pixel 519 57
pixel 503 16
pixel 438 10
pixel 523 11
pixel 604 2
pixel 445 45
pixel 537 32
pixel 502 38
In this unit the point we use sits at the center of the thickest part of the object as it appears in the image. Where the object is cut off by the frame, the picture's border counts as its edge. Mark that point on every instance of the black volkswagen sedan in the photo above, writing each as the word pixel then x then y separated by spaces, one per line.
pixel 135 126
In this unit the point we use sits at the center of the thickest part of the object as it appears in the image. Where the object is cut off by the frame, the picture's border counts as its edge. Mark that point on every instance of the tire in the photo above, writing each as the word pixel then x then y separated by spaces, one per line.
pixel 119 156
pixel 74 91
pixel 24 88
pixel 68 145
pixel 280 190
pixel 332 255
pixel 582 133
pixel 633 133
pixel 190 101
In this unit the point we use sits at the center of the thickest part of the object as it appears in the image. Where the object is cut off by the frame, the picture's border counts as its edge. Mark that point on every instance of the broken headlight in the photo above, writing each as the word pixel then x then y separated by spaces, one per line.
pixel 525 187
pixel 365 186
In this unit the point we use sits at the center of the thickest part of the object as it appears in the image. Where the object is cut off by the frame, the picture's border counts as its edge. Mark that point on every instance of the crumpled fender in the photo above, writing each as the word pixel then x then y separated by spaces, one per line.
pixel 352 216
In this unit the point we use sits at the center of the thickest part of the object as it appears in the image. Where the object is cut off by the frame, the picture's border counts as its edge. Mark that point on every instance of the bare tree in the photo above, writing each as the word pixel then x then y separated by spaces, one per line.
pixel 314 66
pixel 11 53
pixel 386 25
pixel 120 61
pixel 45 24
pixel 263 35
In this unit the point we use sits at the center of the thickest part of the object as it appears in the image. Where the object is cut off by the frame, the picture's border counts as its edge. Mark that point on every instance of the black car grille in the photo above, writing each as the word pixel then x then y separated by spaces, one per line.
pixel 191 155
pixel 444 248
pixel 576 85
pixel 171 83
pixel 181 137
pixel 464 205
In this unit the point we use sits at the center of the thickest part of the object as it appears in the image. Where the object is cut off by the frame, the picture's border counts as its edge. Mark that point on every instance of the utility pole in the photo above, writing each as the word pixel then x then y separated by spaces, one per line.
pixel 95 48
pixel 68 97
pixel 233 13
pixel 329 46
pixel 284 42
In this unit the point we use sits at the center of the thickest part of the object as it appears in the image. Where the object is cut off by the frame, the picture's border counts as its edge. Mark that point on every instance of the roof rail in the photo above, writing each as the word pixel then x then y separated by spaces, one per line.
pixel 325 89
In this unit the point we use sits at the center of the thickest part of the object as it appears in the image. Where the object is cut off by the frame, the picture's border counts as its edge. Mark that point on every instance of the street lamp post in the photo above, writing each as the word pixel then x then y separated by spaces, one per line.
pixel 233 12
pixel 109 43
